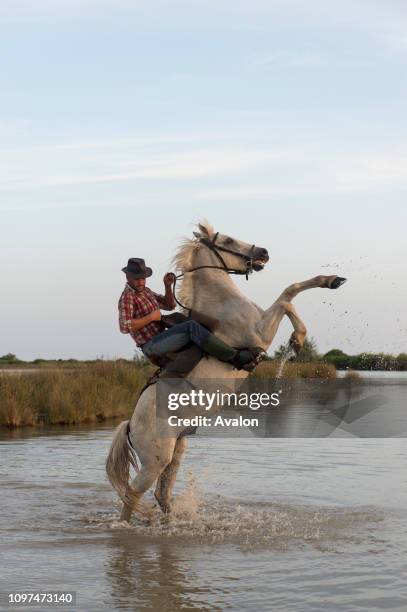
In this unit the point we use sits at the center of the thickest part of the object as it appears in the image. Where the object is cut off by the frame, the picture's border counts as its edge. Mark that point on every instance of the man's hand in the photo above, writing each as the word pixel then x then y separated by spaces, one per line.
pixel 141 322
pixel 169 279
pixel 155 315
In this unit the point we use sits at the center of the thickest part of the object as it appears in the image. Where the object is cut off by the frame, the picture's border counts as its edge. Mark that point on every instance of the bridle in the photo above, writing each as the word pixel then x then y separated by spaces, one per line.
pixel 215 248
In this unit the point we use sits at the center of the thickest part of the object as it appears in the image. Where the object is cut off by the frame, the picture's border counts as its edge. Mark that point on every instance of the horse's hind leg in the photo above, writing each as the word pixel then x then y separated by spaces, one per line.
pixel 143 481
pixel 154 464
pixel 300 331
pixel 166 482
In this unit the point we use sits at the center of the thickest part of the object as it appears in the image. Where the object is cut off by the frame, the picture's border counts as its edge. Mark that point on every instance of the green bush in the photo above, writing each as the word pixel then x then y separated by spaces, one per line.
pixel 10 358
pixel 402 361
pixel 365 361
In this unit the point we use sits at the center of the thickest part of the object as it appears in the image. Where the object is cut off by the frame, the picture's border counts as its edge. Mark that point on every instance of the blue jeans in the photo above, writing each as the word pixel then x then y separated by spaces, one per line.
pixel 176 338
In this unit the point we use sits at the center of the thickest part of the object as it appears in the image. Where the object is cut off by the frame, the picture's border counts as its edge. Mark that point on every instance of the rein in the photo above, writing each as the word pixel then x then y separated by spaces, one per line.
pixel 216 248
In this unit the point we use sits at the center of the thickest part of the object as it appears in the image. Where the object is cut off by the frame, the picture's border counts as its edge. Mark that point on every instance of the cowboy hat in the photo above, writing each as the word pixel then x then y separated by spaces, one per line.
pixel 136 268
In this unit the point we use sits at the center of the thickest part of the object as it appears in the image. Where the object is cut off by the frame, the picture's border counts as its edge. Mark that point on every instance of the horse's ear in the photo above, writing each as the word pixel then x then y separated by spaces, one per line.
pixel 204 229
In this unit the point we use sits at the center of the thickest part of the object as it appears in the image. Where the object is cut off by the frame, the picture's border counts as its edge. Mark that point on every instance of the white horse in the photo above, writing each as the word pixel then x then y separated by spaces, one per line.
pixel 209 290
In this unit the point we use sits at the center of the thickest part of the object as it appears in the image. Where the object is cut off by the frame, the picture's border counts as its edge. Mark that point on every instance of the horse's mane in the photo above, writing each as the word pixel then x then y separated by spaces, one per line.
pixel 183 260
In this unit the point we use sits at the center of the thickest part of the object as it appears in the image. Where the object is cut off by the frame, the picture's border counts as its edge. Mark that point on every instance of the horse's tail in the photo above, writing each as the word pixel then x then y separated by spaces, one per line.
pixel 121 456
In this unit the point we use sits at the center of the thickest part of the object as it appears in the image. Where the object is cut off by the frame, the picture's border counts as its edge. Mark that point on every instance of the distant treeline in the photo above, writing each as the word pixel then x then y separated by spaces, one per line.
pixel 342 361
pixel 12 360
pixel 366 361
pixel 309 354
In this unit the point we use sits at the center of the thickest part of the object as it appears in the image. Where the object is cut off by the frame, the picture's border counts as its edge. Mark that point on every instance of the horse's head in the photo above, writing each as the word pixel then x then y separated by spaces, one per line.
pixel 236 254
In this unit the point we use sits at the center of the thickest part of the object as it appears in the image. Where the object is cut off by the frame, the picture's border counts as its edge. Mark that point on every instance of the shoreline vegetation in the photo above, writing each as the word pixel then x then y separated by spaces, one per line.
pixel 309 354
pixel 98 391
pixel 87 393
pixel 66 392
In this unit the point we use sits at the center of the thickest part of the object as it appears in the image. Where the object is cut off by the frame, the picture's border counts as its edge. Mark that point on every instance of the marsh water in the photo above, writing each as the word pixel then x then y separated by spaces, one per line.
pixel 259 524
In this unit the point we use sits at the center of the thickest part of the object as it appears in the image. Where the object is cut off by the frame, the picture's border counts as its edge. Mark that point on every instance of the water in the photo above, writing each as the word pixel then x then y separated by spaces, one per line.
pixel 285 356
pixel 377 375
pixel 259 524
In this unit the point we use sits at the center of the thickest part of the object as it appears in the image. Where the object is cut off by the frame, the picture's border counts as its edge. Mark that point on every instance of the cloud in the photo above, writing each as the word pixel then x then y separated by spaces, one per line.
pixel 385 23
pixel 26 10
pixel 283 58
pixel 318 175
pixel 50 170
pixel 376 169
pixel 235 168
pixel 117 143
pixel 396 43
pixel 373 15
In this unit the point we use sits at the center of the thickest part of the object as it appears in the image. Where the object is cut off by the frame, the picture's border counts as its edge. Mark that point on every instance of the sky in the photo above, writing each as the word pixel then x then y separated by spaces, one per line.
pixel 123 123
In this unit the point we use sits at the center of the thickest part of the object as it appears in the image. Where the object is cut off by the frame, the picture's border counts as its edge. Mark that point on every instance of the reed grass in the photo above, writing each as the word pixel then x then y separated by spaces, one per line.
pixel 89 394
pixel 353 376
pixel 295 369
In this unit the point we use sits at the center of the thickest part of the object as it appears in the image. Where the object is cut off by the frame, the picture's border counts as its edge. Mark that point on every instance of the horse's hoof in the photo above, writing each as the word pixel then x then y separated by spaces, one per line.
pixel 165 507
pixel 296 343
pixel 337 282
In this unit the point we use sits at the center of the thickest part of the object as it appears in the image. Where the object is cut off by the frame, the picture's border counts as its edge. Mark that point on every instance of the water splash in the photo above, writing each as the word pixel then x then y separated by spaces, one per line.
pixel 252 525
pixel 187 503
pixel 215 519
pixel 285 356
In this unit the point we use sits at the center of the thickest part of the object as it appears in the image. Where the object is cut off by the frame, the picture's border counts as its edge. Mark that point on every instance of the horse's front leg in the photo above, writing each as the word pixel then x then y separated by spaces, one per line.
pixel 271 319
pixel 323 282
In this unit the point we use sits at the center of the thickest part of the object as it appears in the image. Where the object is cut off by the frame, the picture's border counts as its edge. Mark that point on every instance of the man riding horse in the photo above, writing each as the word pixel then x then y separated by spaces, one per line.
pixel 140 316
pixel 205 264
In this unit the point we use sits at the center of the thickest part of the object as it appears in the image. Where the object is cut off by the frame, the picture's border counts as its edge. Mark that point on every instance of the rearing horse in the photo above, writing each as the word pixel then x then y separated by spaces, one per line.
pixel 209 290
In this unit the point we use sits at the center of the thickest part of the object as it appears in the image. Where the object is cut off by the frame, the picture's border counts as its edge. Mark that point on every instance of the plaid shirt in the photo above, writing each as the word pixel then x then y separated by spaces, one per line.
pixel 134 305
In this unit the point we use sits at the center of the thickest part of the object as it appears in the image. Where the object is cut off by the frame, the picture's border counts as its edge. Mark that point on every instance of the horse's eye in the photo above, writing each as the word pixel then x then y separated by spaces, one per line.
pixel 229 241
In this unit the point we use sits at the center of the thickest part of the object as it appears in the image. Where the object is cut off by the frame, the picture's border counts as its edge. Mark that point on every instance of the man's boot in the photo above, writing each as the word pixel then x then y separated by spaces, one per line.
pixel 245 359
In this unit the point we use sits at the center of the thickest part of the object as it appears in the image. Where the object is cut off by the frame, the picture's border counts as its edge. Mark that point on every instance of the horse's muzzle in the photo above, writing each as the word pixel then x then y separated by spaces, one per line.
pixel 260 258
